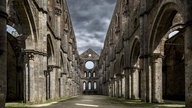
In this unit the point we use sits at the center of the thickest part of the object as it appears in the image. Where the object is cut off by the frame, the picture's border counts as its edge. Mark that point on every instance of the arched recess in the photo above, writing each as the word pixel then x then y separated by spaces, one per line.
pixel 167 52
pixel 62 63
pixel 23 20
pixel 135 70
pixel 50 64
pixel 162 24
pixel 15 85
pixel 84 87
pixel 135 53
pixel 50 51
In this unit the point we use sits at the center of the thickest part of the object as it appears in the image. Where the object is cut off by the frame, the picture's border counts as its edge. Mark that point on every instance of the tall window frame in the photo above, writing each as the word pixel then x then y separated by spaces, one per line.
pixel 95 85
pixel 84 86
pixel 89 85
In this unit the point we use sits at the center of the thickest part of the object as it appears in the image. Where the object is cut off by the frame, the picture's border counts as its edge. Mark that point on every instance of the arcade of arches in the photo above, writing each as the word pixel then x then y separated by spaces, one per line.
pixel 147 52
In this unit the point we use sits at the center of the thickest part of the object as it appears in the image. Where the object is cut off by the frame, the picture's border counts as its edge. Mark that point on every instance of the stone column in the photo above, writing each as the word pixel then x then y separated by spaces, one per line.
pixel 126 83
pixel 123 86
pixel 53 81
pixel 144 54
pixel 188 53
pixel 129 84
pixel 119 86
pixel 110 89
pixel 116 87
pixel 3 53
pixel 113 87
pixel 135 83
pixel 31 85
pixel 48 84
pixel 157 78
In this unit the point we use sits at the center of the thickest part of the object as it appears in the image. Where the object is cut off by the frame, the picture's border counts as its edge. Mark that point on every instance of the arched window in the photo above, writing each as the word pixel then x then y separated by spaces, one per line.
pixel 85 74
pixel 95 85
pixel 84 86
pixel 93 74
pixel 12 31
pixel 89 74
pixel 89 86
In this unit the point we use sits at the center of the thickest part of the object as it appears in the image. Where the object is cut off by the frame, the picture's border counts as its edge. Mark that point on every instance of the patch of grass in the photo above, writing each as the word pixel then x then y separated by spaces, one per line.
pixel 139 103
pixel 28 105
pixel 15 105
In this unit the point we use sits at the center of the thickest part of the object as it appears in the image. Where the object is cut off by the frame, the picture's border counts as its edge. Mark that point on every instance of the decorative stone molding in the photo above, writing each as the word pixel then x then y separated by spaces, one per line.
pixel 156 56
pixel 35 52
pixel 58 11
pixel 30 56
pixel 50 67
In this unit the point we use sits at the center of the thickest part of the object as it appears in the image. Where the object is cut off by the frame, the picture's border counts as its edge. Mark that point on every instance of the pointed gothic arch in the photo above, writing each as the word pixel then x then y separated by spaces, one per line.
pixel 162 24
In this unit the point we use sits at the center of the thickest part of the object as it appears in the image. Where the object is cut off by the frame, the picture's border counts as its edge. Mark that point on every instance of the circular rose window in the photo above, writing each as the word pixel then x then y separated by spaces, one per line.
pixel 89 65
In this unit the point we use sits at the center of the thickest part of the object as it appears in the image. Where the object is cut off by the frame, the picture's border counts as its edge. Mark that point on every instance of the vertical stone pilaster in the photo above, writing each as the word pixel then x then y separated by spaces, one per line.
pixel 47 73
pixel 3 53
pixel 62 86
pixel 120 86
pixel 126 83
pixel 157 78
pixel 116 88
pixel 110 89
pixel 188 53
pixel 26 79
pixel 135 83
pixel 31 85
pixel 53 82
pixel 129 84
pixel 145 74
pixel 123 86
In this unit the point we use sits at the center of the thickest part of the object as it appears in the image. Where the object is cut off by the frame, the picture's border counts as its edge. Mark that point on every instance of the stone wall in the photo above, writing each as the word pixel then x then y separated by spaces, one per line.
pixel 42 49
pixel 89 73
pixel 139 34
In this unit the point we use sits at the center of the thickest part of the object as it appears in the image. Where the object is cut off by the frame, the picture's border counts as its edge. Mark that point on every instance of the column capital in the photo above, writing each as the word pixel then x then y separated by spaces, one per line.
pixel 30 55
pixel 157 55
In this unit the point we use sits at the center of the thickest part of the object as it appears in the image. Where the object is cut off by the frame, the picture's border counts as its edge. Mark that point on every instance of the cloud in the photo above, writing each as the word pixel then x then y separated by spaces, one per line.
pixel 90 19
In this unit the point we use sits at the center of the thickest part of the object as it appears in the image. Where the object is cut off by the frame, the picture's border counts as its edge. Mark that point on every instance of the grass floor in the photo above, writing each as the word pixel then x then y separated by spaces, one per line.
pixel 30 105
pixel 109 100
pixel 139 103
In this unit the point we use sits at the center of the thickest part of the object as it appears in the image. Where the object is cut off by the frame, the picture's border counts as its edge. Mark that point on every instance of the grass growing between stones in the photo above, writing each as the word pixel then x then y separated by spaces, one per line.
pixel 140 104
pixel 32 105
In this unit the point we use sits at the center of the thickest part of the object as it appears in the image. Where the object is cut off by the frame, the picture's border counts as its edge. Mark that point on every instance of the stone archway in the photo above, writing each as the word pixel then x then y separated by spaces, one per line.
pixel 168 17
pixel 15 85
pixel 21 17
pixel 173 68
pixel 20 37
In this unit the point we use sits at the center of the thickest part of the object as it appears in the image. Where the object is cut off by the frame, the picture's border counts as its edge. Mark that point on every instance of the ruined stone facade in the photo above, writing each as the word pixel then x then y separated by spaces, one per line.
pixel 41 54
pixel 147 51
pixel 89 72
